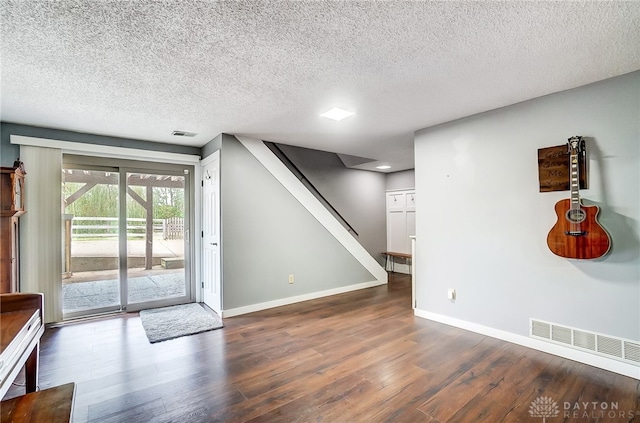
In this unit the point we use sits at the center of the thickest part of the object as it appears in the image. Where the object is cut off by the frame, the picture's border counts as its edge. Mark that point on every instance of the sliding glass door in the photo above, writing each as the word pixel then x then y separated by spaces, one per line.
pixel 91 278
pixel 155 237
pixel 125 236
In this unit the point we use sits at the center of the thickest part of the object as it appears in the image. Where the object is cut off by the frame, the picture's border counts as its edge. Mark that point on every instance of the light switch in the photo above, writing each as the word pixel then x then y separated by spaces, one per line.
pixel 451 294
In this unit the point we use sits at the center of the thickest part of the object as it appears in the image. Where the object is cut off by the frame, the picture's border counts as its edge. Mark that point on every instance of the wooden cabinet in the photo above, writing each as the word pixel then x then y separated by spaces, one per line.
pixel 11 208
pixel 12 190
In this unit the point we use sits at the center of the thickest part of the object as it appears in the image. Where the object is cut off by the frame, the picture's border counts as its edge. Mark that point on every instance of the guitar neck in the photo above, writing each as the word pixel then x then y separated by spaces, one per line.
pixel 576 147
pixel 575 182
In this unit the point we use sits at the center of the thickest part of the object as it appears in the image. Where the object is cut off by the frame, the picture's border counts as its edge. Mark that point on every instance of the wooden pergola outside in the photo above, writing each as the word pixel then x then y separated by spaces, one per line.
pixel 90 179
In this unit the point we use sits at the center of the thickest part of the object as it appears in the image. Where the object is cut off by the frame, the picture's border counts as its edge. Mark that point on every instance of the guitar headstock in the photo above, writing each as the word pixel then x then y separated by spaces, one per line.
pixel 575 145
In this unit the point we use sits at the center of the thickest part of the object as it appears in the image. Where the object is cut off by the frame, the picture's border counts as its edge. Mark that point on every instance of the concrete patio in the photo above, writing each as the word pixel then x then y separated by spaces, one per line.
pixel 82 296
pixel 94 284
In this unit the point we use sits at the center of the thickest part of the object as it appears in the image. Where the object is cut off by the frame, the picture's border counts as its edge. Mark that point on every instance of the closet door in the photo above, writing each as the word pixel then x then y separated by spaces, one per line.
pixel 400 220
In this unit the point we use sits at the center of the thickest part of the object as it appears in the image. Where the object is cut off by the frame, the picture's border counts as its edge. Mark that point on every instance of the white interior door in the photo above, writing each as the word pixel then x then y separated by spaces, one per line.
pixel 211 277
pixel 400 220
pixel 401 224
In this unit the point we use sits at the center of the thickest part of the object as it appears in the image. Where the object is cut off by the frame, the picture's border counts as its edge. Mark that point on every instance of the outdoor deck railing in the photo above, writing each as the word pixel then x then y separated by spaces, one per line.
pixel 107 227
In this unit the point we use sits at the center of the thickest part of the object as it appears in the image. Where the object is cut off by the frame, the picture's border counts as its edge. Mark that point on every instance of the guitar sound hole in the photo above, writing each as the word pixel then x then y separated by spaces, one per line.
pixel 576 216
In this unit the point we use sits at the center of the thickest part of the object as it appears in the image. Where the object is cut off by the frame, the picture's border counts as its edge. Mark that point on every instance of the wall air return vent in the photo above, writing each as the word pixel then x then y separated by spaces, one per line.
pixel 611 346
pixel 561 334
pixel 584 340
pixel 632 351
pixel 604 345
pixel 540 329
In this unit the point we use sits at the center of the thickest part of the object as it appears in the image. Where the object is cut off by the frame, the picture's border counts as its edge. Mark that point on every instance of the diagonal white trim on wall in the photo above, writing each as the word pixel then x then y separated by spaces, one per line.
pixel 288 180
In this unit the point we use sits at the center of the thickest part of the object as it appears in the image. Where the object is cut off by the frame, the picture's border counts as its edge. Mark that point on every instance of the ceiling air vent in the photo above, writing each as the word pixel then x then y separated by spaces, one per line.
pixel 183 134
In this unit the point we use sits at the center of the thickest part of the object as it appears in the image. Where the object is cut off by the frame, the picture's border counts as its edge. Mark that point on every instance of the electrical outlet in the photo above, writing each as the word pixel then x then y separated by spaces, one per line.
pixel 291 280
pixel 451 294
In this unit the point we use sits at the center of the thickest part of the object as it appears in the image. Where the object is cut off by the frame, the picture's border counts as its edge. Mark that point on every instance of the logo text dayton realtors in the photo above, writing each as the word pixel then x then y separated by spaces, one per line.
pixel 595 409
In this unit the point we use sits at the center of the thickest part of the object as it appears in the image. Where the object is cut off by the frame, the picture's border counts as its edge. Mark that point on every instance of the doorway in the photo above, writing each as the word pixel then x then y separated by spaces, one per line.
pixel 125 234
pixel 401 226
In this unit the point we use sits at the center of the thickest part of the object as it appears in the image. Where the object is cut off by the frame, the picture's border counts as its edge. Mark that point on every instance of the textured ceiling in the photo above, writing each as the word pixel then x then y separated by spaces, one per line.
pixel 141 69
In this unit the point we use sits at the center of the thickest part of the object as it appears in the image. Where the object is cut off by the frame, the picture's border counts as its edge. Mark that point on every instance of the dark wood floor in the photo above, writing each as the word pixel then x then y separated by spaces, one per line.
pixel 355 357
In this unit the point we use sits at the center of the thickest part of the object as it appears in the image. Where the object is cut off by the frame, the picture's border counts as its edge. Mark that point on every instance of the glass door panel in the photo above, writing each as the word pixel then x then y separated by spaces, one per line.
pixel 155 238
pixel 90 279
pixel 125 236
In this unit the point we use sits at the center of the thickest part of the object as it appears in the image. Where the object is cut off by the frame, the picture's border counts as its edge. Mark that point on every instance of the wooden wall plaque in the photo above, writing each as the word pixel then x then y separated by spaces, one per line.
pixel 553 168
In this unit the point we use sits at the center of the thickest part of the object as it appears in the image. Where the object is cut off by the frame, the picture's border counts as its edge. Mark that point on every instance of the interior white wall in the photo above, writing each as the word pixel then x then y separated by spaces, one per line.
pixel 482 222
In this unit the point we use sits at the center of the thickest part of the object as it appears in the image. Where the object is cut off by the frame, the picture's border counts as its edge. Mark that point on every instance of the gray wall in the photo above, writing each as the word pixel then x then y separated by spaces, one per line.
pixel 9 152
pixel 358 195
pixel 482 222
pixel 405 179
pixel 211 147
pixel 267 235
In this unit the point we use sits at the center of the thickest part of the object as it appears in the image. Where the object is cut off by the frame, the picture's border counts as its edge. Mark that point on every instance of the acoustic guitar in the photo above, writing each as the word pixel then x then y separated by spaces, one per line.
pixel 577 233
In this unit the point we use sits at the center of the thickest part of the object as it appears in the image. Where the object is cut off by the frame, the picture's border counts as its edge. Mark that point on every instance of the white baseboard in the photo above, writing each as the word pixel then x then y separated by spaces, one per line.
pixel 572 354
pixel 299 298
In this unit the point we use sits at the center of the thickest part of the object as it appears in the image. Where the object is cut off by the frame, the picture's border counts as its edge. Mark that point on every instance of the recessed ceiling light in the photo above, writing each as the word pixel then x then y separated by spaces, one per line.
pixel 383 167
pixel 337 114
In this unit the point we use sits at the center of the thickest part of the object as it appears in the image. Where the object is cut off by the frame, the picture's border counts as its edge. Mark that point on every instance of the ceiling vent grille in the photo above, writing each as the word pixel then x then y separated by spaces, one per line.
pixel 604 345
pixel 183 134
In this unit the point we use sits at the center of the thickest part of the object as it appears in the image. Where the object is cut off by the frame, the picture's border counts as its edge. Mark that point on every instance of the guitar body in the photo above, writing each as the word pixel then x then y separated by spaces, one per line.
pixel 583 240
